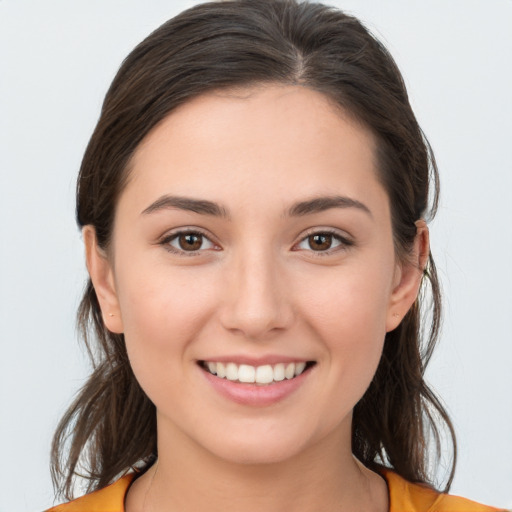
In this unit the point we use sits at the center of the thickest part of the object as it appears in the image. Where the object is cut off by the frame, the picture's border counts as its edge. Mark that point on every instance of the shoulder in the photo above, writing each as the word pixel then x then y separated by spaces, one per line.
pixel 406 496
pixel 108 499
pixel 403 496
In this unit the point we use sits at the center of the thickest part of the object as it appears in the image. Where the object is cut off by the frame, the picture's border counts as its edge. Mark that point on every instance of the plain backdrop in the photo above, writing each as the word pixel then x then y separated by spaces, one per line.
pixel 57 59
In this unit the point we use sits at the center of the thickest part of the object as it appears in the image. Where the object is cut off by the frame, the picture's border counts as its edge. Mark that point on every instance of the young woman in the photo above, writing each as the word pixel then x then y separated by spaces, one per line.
pixel 253 204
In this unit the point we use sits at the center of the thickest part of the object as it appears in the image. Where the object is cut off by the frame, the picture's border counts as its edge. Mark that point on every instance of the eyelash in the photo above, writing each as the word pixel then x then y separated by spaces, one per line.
pixel 344 243
pixel 168 239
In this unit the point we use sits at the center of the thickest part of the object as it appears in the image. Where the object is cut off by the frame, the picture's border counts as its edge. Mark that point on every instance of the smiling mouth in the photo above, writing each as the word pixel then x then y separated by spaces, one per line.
pixel 261 375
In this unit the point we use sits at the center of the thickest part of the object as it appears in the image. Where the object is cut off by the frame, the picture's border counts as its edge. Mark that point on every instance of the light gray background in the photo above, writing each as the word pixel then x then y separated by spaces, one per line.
pixel 57 60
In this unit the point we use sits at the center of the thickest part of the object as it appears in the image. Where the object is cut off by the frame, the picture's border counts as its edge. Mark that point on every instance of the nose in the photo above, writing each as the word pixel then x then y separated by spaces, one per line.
pixel 257 304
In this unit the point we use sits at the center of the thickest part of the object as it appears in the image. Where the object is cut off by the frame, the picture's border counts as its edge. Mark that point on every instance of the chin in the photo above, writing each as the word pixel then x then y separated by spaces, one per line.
pixel 261 446
pixel 258 454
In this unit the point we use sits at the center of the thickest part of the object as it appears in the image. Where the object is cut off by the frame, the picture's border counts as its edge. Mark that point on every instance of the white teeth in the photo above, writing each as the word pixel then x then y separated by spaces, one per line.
pixel 264 374
pixel 231 371
pixel 289 371
pixel 246 373
pixel 221 370
pixel 279 372
pixel 299 368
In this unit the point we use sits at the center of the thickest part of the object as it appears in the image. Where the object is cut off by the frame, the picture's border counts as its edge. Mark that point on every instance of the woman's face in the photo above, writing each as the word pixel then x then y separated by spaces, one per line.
pixel 253 232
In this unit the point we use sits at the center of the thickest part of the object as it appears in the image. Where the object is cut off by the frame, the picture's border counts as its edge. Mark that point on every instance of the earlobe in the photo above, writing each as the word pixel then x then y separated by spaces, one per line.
pixel 409 277
pixel 102 277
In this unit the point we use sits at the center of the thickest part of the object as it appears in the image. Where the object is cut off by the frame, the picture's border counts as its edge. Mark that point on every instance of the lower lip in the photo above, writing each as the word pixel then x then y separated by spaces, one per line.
pixel 253 394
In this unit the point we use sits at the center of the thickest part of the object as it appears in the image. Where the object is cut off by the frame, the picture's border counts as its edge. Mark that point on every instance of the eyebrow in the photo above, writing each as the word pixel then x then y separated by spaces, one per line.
pixel 299 209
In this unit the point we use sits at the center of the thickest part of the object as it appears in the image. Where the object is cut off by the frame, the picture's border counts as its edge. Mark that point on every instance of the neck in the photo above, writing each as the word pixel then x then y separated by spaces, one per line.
pixel 325 478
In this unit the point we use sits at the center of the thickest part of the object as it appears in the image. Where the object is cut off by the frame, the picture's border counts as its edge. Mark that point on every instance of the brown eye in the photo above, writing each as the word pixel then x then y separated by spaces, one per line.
pixel 320 241
pixel 324 243
pixel 190 241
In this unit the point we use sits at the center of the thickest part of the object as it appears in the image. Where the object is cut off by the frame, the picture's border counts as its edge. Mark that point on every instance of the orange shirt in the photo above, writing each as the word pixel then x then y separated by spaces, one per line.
pixel 403 497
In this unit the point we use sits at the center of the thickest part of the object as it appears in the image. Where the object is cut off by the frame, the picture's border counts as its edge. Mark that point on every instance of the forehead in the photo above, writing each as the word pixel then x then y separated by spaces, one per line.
pixel 257 143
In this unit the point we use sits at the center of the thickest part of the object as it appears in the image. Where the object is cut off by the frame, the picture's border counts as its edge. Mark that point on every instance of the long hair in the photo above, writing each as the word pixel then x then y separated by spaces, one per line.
pixel 111 425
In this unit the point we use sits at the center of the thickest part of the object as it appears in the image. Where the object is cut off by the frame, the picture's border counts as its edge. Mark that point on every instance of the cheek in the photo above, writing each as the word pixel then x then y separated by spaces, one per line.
pixel 162 313
pixel 355 300
pixel 348 313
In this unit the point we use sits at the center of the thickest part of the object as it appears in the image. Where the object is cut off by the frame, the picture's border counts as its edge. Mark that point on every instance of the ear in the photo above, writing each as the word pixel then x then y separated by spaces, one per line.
pixel 408 278
pixel 102 277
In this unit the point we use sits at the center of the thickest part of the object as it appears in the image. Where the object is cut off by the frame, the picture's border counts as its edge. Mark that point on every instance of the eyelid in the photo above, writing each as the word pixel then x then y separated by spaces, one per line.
pixel 345 241
pixel 170 236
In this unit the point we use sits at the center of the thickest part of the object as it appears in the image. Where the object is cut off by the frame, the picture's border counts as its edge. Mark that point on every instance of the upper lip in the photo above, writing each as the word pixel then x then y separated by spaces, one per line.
pixel 255 361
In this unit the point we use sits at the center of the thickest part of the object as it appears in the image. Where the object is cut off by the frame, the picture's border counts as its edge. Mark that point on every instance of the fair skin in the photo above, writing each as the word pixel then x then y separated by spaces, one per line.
pixel 255 287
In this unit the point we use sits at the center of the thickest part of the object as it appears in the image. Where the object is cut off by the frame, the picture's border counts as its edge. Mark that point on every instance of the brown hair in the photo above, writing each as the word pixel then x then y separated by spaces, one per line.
pixel 111 425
